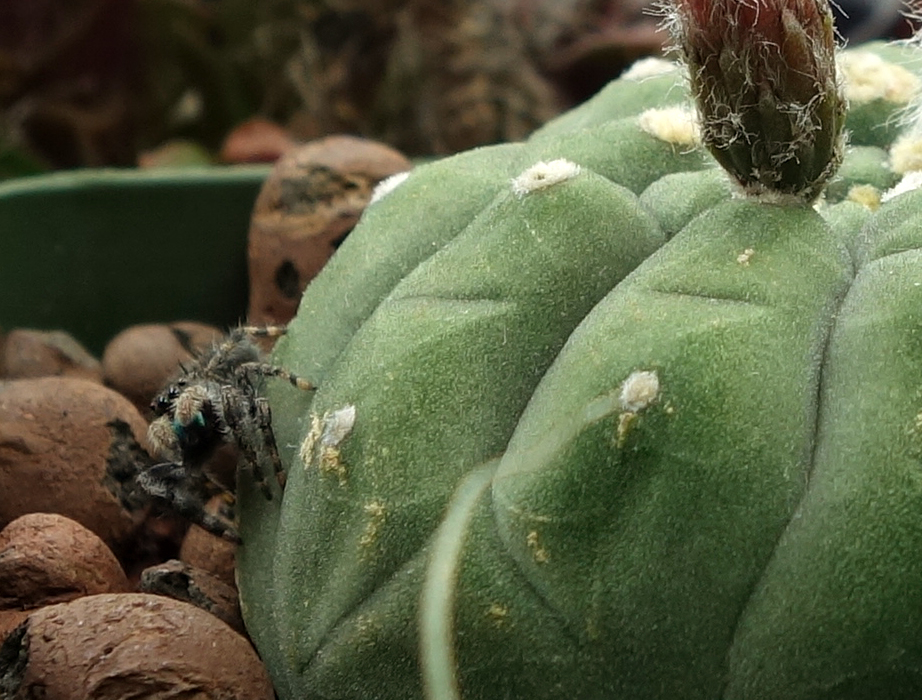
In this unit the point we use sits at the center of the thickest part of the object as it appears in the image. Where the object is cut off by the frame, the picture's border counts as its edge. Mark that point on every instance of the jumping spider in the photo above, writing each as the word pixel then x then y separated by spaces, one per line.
pixel 214 401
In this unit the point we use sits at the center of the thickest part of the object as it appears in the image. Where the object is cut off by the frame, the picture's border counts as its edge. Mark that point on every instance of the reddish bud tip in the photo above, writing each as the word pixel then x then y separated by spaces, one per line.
pixel 763 75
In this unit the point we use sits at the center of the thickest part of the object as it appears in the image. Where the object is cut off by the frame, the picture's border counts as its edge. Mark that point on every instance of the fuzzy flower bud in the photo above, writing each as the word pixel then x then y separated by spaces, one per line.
pixel 763 74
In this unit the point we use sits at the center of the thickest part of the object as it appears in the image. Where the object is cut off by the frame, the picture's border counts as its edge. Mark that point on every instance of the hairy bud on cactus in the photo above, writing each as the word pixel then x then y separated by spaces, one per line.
pixel 763 75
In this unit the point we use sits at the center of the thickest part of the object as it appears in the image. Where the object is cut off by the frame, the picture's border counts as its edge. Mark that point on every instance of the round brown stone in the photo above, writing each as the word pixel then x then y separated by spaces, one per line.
pixel 47 558
pixel 311 201
pixel 141 360
pixel 56 438
pixel 113 646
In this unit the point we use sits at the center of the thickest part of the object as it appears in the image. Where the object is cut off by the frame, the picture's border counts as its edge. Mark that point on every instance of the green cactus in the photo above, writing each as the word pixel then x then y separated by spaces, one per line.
pixel 590 425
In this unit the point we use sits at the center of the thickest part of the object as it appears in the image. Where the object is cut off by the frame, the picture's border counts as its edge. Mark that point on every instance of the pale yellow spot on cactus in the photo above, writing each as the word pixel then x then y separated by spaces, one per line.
pixel 368 629
pixel 377 514
pixel 497 612
pixel 745 257
pixel 675 125
pixel 538 552
pixel 625 422
pixel 866 195
pixel 868 77
pixel 331 463
pixel 916 424
pixel 306 453
pixel 544 174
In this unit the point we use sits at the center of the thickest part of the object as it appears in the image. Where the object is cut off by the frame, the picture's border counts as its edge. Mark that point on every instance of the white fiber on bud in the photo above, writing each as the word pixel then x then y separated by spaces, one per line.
pixel 650 67
pixel 388 185
pixel 639 390
pixel 543 175
pixel 675 125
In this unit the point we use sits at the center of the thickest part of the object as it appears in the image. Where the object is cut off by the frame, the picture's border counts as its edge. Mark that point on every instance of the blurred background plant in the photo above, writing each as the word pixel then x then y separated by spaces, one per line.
pixel 104 82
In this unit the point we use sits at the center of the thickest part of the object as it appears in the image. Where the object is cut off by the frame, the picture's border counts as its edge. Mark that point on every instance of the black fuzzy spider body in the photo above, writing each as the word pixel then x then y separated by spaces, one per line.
pixel 212 402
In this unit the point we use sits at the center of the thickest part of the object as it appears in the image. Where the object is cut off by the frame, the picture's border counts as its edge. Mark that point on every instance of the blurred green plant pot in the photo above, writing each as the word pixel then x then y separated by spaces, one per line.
pixel 94 251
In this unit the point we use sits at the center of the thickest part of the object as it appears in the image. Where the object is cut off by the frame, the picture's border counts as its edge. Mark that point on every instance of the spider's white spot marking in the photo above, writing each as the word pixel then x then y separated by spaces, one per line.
pixel 543 175
pixel 868 77
pixel 675 125
pixel 639 390
pixel 388 185
pixel 649 68
pixel 911 181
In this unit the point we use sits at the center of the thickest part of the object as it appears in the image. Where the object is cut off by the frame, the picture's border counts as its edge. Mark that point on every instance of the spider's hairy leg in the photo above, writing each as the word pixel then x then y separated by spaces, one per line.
pixel 264 331
pixel 170 482
pixel 264 421
pixel 263 369
pixel 238 415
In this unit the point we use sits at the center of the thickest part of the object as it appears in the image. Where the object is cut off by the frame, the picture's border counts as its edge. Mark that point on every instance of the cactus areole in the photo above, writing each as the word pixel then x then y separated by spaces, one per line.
pixel 597 420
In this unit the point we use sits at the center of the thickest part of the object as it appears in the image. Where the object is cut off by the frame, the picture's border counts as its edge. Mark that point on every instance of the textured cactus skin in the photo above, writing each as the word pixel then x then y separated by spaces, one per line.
pixel 753 532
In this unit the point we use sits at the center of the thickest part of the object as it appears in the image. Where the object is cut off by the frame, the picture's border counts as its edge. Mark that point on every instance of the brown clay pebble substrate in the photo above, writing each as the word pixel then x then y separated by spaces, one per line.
pixel 139 361
pixel 54 444
pixel 30 353
pixel 309 203
pixel 46 558
pixel 132 645
pixel 190 584
pixel 202 549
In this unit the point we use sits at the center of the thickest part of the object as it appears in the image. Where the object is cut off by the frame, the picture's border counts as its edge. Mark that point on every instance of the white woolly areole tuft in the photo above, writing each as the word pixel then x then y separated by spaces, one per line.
pixel 337 426
pixel 906 154
pixel 543 175
pixel 650 67
pixel 911 181
pixel 868 77
pixel 639 390
pixel 388 185
pixel 327 432
pixel 675 125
